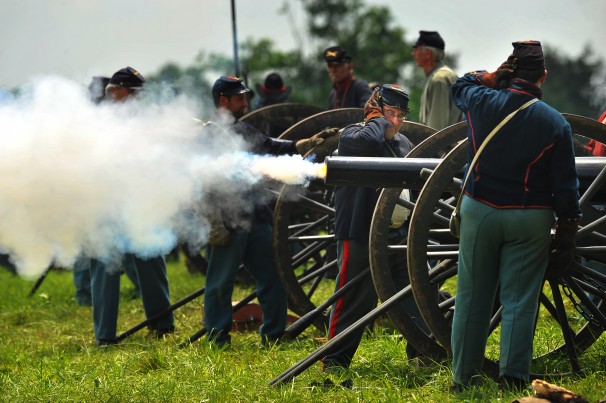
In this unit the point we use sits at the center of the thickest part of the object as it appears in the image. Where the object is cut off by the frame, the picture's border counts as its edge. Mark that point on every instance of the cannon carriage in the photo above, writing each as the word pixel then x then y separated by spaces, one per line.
pixel 303 244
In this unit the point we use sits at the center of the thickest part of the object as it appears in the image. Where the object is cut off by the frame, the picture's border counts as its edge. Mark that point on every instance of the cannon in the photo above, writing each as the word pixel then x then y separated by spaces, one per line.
pixel 575 303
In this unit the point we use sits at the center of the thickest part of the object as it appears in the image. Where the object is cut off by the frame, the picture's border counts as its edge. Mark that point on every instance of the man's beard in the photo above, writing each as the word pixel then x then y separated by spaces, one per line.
pixel 238 114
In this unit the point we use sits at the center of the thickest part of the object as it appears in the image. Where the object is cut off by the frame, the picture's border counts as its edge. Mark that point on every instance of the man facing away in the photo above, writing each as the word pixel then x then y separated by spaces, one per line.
pixel 524 176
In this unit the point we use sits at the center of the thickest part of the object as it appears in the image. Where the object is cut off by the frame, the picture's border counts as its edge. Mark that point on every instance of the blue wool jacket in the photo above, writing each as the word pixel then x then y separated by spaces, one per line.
pixel 356 96
pixel 258 143
pixel 354 205
pixel 529 163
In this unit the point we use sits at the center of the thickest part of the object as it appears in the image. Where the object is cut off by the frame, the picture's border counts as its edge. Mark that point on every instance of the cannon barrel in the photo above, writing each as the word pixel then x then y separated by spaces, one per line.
pixel 378 172
pixel 405 172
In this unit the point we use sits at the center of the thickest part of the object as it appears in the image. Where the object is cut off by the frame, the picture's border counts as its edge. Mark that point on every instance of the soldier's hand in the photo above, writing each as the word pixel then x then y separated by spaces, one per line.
pixel 562 248
pixel 305 145
pixel 326 133
pixel 371 107
pixel 501 76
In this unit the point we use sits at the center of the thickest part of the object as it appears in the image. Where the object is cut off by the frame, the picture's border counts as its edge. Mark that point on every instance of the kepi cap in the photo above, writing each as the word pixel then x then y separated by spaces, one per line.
pixel 229 85
pixel 128 78
pixel 529 55
pixel 431 39
pixel 336 54
pixel 394 96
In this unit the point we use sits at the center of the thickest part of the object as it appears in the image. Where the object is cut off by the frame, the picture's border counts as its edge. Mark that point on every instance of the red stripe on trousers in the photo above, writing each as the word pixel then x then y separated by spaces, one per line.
pixel 332 330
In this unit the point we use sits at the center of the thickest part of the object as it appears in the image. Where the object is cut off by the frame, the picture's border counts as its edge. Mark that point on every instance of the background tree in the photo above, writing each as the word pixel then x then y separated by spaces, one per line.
pixel 195 80
pixel 575 85
pixel 380 53
pixel 378 46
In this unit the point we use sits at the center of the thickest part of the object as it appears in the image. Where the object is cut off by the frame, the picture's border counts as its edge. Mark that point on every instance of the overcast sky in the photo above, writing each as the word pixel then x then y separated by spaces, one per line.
pixel 81 38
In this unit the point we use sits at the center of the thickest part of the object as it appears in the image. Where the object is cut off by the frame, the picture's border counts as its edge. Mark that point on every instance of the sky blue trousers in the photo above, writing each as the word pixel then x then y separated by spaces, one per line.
pixel 504 250
pixel 105 286
pixel 81 274
pixel 254 249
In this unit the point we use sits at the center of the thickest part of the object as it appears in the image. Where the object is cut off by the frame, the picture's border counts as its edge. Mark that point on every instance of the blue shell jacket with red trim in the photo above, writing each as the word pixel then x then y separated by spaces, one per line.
pixel 529 163
pixel 355 205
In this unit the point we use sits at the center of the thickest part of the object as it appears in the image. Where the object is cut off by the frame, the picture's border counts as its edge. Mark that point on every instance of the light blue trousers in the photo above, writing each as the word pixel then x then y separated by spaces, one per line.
pixel 153 280
pixel 504 250
pixel 82 281
pixel 254 249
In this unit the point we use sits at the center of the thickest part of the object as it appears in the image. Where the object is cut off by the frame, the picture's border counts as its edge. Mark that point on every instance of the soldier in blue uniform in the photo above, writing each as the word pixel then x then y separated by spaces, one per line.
pixel 151 272
pixel 377 136
pixel 523 176
pixel 247 238
pixel 347 91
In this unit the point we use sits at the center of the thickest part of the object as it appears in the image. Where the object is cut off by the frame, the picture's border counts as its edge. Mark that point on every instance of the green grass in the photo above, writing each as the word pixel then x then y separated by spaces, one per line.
pixel 47 353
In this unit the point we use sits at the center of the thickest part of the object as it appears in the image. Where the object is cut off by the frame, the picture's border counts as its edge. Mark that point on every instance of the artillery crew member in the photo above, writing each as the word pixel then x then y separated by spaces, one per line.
pixel 524 175
pixel 347 91
pixel 272 92
pixel 437 107
pixel 247 237
pixel 150 272
pixel 377 136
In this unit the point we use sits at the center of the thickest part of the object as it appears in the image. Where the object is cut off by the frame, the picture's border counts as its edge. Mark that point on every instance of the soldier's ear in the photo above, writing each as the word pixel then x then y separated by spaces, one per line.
pixel 543 77
pixel 223 100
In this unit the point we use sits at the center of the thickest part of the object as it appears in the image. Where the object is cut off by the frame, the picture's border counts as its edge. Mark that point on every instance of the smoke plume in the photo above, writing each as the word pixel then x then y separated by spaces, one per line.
pixel 103 180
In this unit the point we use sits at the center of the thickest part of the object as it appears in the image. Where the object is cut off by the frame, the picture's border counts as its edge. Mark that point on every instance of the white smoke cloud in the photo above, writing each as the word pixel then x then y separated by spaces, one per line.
pixel 113 178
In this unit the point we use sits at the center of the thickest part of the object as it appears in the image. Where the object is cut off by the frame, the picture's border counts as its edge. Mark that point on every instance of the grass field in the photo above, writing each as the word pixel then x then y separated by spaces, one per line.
pixel 47 353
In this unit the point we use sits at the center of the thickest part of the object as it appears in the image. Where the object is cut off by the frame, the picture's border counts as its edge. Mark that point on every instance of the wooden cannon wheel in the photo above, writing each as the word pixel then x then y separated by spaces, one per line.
pixel 575 303
pixel 273 120
pixel 304 244
pixel 304 241
pixel 383 249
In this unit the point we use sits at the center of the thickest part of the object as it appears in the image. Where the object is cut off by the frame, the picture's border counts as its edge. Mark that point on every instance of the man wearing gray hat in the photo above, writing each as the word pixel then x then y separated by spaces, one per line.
pixel 437 108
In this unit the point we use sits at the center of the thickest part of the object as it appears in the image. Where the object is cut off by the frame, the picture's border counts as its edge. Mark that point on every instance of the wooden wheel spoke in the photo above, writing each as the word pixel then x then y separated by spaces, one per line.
pixel 548 305
pixel 309 251
pixel 314 286
pixel 304 228
pixel 306 202
pixel 565 326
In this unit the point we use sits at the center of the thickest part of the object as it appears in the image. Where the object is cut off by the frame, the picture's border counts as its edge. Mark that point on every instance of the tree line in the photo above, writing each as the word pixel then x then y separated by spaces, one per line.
pixel 575 84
